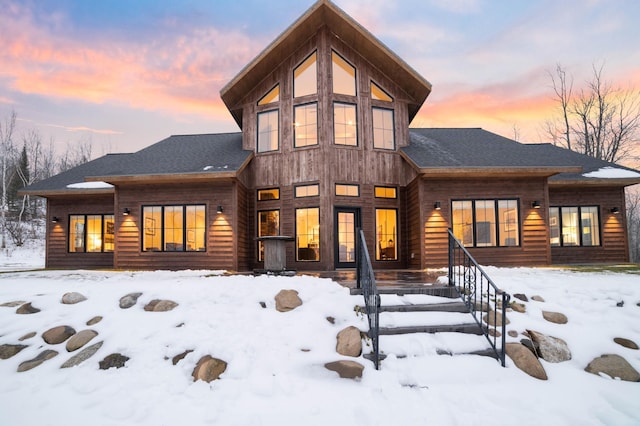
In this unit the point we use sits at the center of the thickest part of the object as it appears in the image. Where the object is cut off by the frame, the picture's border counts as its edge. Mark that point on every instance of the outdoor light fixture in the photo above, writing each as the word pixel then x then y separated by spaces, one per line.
pixel 436 205
pixel 615 210
pixel 55 219
pixel 535 204
pixel 126 212
pixel 220 209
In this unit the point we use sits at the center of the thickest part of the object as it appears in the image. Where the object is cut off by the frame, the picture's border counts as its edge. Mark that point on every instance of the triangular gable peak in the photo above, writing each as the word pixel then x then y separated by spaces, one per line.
pixel 322 13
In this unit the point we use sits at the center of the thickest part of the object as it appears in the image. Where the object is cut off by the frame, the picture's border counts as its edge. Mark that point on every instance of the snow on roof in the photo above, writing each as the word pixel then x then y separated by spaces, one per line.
pixel 90 185
pixel 611 173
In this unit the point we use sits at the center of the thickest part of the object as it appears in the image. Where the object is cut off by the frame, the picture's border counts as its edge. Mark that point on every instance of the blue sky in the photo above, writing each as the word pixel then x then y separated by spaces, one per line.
pixel 126 74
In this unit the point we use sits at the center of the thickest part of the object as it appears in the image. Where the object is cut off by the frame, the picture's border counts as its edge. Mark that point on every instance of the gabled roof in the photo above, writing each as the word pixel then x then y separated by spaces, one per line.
pixel 474 151
pixel 324 12
pixel 192 157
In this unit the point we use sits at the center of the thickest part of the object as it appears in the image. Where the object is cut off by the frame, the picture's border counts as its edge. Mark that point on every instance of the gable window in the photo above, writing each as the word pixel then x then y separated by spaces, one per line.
pixel 305 124
pixel 272 96
pixel 383 134
pixel 486 223
pixel 92 233
pixel 305 77
pixel 385 192
pixel 378 94
pixel 344 75
pixel 268 225
pixel 308 234
pixel 345 129
pixel 173 228
pixel 268 133
pixel 303 191
pixel 574 226
pixel 268 194
pixel 347 190
pixel 386 234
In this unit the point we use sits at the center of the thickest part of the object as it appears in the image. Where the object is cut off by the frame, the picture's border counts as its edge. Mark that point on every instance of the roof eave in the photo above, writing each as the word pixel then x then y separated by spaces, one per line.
pixel 164 177
pixel 495 171
pixel 66 191
pixel 590 182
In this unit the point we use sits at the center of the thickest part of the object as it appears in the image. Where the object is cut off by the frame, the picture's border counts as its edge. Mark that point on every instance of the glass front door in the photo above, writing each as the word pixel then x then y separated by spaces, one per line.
pixel 347 221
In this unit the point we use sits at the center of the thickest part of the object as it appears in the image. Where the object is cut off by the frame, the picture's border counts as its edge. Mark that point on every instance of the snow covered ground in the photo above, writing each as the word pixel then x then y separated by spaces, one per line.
pixel 276 373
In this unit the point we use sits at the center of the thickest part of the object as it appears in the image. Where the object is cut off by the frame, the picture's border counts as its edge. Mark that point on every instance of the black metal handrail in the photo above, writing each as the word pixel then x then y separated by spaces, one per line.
pixel 485 301
pixel 365 279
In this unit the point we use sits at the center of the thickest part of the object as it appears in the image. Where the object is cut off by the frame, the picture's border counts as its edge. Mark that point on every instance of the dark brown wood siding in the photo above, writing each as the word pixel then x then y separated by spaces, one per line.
pixel 614 244
pixel 57 239
pixel 415 232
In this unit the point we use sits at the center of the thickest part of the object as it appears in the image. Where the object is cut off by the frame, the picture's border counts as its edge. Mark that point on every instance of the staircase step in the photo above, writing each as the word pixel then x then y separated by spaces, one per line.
pixel 427 307
pixel 433 290
pixel 424 345
pixel 468 328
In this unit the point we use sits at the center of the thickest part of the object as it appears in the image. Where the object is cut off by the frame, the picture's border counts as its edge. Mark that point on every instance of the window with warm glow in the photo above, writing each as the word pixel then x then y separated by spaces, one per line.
pixel 308 234
pixel 305 125
pixel 345 129
pixel 378 94
pixel 312 190
pixel 268 225
pixel 272 96
pixel 344 75
pixel 268 133
pixel 305 77
pixel 574 226
pixel 268 194
pixel 385 192
pixel 347 190
pixel 486 223
pixel 174 228
pixel 92 233
pixel 383 132
pixel 386 234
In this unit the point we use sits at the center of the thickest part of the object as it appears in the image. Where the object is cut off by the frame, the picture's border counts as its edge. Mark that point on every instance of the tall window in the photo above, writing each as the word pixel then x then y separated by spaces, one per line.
pixel 268 133
pixel 305 125
pixel 268 225
pixel 344 75
pixel 383 134
pixel 386 234
pixel 486 223
pixel 92 233
pixel 574 226
pixel 308 234
pixel 378 94
pixel 174 228
pixel 272 96
pixel 305 77
pixel 345 129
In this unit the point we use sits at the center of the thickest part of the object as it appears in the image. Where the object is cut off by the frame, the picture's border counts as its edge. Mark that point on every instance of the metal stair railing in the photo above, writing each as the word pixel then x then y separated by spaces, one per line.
pixel 365 280
pixel 485 301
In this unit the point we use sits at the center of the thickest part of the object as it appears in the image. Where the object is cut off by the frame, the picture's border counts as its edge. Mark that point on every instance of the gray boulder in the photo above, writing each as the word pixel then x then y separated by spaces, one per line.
pixel 28 336
pixel 157 305
pixel 7 351
pixel 209 369
pixel 349 342
pixel 129 300
pixel 13 304
pixel 33 363
pixel 287 300
pixel 613 366
pixel 59 334
pixel 94 320
pixel 521 296
pixel 537 298
pixel 629 344
pixel 113 360
pixel 82 356
pixel 551 349
pixel 27 309
pixel 73 298
pixel 525 360
pixel 346 369
pixel 555 317
pixel 79 340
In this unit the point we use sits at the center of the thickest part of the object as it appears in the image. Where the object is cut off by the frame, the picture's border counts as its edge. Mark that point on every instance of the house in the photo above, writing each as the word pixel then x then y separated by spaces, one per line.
pixel 325 148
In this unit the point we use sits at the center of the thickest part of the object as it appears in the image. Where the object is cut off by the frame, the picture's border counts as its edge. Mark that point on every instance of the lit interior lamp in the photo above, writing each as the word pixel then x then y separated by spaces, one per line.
pixel 126 212
pixel 535 204
pixel 436 205
pixel 55 219
pixel 220 210
pixel 615 210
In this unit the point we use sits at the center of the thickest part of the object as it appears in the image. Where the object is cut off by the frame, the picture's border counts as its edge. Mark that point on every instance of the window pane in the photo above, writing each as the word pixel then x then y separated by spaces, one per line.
pixel 307 191
pixel 268 131
pixel 268 194
pixel 196 228
pixel 554 226
pixel 509 223
pixel 109 233
pixel 344 124
pixel 385 192
pixel 378 94
pixel 76 233
pixel 386 234
pixel 570 236
pixel 272 96
pixel 590 226
pixel 344 76
pixel 268 224
pixel 94 233
pixel 346 237
pixel 173 228
pixel 152 217
pixel 347 190
pixel 305 81
pixel 485 223
pixel 308 234
pixel 383 135
pixel 306 125
pixel 463 221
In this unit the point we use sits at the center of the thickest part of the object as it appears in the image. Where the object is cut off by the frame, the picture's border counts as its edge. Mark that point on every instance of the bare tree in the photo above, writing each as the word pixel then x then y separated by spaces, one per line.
pixel 7 129
pixel 559 129
pixel 74 155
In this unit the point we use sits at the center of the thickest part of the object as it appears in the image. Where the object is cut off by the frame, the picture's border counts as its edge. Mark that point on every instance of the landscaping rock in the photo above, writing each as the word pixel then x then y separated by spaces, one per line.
pixel 521 296
pixel 555 317
pixel 551 349
pixel 346 369
pixel 331 320
pixel 518 307
pixel 531 346
pixel 7 351
pixel 59 334
pixel 80 339
pixel 27 336
pixel 94 320
pixel 129 300
pixel 33 363
pixel 494 320
pixel 13 304
pixel 613 366
pixel 263 305
pixel 157 305
pixel 630 344
pixel 512 333
pixel 82 356
pixel 179 357
pixel 287 300
pixel 27 309
pixel 209 369
pixel 525 360
pixel 349 342
pixel 482 307
pixel 114 360
pixel 494 333
pixel 72 298
pixel 537 298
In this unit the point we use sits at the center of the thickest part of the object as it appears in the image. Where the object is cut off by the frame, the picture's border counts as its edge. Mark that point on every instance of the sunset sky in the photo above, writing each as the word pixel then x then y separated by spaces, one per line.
pixel 125 74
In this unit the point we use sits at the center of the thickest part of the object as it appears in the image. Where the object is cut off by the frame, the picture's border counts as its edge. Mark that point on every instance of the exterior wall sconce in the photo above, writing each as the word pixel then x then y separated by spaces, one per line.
pixel 126 212
pixel 615 210
pixel 436 205
pixel 55 219
pixel 535 204
pixel 220 210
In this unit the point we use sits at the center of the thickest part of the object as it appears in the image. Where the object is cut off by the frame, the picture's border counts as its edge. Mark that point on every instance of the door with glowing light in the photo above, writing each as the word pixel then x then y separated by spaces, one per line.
pixel 346 222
